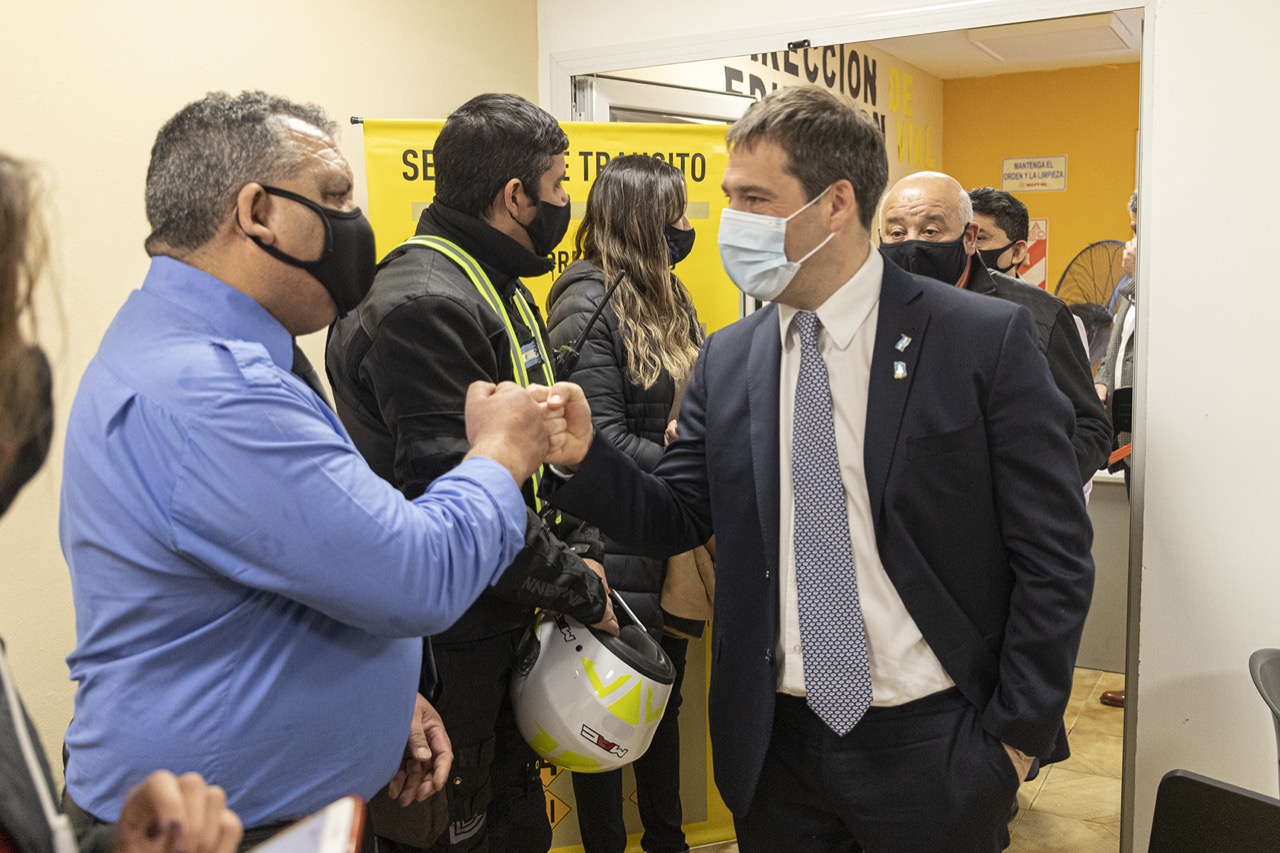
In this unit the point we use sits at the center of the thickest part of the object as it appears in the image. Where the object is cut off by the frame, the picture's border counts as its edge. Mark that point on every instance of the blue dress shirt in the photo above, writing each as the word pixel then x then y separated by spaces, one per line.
pixel 249 594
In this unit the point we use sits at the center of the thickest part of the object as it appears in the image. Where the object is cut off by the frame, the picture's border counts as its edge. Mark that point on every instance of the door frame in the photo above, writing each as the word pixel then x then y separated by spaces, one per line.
pixel 932 17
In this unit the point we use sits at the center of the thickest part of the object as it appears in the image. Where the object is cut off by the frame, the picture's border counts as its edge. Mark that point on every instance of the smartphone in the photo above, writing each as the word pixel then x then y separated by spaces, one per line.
pixel 336 828
pixel 1121 405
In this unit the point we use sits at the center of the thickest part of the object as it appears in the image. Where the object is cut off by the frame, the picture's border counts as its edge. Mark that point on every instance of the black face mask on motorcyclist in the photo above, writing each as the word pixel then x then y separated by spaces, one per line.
pixel 347 265
pixel 943 261
pixel 550 224
pixel 679 242
pixel 991 257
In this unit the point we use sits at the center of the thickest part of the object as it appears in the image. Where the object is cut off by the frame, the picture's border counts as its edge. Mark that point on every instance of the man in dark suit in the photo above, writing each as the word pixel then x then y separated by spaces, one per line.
pixel 903 552
pixel 928 226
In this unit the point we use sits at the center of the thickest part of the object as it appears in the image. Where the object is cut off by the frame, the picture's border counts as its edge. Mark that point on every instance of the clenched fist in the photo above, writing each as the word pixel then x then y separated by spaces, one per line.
pixel 568 417
pixel 506 424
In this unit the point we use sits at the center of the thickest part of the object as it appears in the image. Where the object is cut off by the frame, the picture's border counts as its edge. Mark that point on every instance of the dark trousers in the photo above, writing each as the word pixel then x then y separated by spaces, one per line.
pixel 924 777
pixel 495 794
pixel 599 795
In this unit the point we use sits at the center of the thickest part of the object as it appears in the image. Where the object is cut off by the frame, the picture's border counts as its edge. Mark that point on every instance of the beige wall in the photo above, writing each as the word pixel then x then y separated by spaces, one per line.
pixel 86 87
pixel 1207 462
pixel 903 100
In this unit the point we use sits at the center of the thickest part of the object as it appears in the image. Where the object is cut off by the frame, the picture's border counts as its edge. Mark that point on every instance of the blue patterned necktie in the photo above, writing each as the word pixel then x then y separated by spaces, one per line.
pixel 837 677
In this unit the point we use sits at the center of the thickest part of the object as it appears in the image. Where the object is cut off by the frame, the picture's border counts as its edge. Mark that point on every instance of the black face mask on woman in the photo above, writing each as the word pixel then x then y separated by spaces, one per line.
pixel 942 261
pixel 30 455
pixel 679 242
pixel 347 265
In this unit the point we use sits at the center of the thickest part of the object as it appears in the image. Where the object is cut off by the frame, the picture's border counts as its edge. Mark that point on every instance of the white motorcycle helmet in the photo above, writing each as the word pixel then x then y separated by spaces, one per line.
pixel 587 701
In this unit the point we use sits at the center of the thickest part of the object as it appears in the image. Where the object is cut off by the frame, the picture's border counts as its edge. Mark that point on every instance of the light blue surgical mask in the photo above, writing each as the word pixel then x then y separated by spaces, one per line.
pixel 753 251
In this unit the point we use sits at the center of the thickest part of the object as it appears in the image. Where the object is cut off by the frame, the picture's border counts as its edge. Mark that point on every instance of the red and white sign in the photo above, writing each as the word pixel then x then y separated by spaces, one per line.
pixel 1034 266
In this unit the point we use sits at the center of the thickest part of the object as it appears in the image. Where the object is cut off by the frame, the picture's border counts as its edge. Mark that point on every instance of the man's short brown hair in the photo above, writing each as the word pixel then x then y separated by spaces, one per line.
pixel 825 137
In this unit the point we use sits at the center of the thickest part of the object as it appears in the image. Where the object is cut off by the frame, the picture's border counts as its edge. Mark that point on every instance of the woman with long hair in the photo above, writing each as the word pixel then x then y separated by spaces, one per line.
pixel 26 404
pixel 162 812
pixel 633 363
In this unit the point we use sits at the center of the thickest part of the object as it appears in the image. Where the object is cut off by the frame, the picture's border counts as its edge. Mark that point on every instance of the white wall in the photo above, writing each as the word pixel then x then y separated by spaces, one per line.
pixel 87 85
pixel 1210 585
pixel 1208 461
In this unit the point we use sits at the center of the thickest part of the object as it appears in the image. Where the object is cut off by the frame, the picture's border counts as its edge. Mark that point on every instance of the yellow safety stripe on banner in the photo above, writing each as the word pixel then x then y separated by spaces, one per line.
pixel 489 294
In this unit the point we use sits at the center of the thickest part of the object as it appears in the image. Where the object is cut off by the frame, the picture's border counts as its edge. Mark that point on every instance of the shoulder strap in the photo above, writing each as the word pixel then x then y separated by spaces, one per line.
pixel 493 299
pixel 490 295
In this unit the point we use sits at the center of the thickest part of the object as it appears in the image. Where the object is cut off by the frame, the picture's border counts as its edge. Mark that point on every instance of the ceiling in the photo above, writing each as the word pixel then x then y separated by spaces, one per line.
pixel 1102 39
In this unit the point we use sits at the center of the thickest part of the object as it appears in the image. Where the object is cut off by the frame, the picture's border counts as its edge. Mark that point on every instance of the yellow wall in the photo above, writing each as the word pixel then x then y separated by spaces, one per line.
pixel 1088 114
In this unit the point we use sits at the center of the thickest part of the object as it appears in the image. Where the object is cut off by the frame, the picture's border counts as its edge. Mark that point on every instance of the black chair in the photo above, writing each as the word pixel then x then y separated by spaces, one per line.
pixel 1264 666
pixel 1196 814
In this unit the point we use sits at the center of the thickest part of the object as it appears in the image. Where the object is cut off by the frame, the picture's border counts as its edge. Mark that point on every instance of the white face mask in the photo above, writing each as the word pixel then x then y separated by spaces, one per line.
pixel 752 249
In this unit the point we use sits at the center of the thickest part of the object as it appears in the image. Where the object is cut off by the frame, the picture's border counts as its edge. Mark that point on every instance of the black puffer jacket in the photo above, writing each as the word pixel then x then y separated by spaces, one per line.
pixel 632 417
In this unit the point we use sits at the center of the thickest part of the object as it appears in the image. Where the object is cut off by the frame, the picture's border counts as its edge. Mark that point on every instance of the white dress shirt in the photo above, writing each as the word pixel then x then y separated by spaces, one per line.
pixel 903 667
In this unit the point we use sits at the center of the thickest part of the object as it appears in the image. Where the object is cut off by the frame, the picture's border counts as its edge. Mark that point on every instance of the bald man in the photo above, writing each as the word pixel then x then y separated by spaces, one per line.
pixel 927 227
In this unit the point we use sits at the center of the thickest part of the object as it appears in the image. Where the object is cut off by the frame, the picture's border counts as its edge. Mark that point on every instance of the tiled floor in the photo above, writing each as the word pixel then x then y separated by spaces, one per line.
pixel 1072 807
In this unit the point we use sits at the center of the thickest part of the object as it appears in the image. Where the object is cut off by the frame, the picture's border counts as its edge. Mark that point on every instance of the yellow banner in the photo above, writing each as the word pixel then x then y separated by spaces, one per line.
pixel 401 181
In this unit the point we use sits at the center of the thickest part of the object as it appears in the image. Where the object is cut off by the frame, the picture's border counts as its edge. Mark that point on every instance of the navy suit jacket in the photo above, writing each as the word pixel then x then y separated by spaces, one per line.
pixel 975 494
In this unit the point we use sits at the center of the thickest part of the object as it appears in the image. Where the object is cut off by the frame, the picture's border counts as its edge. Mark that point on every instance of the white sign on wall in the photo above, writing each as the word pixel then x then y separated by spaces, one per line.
pixel 1034 174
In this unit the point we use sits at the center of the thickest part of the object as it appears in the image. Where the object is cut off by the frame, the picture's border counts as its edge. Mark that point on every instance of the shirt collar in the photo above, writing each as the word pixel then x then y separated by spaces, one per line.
pixel 230 312
pixel 847 309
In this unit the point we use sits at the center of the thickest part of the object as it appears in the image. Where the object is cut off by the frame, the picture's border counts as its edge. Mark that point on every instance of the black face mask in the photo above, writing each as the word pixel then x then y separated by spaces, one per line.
pixel 942 261
pixel 31 454
pixel 550 224
pixel 679 242
pixel 347 265
pixel 991 256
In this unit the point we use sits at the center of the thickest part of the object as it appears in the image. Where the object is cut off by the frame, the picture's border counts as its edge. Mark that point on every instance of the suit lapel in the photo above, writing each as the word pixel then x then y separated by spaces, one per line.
pixel 761 377
pixel 893 364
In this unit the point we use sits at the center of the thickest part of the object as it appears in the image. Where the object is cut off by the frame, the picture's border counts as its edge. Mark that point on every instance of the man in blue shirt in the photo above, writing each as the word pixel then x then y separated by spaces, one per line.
pixel 249 595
